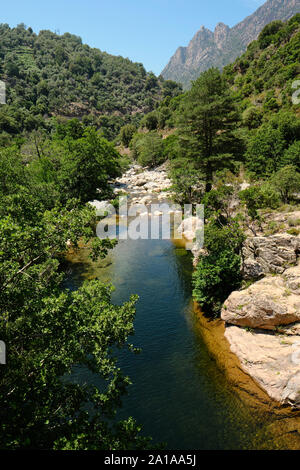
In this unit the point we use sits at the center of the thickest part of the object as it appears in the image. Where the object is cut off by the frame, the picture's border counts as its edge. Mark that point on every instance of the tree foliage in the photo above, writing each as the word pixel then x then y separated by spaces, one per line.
pixel 206 125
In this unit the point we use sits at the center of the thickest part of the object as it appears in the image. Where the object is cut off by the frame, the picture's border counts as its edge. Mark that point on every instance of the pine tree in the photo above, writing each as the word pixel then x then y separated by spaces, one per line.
pixel 206 125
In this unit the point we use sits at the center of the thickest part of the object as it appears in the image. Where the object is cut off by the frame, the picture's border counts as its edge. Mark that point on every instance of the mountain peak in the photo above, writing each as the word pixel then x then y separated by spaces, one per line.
pixel 221 34
pixel 216 49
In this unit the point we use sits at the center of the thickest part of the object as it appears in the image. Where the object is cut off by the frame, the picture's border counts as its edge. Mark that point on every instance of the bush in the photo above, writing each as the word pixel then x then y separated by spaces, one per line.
pixel 259 197
pixel 150 121
pixel 148 149
pixel 292 155
pixel 126 134
pixel 218 273
pixel 216 276
pixel 287 182
pixel 252 117
pixel 267 35
pixel 265 150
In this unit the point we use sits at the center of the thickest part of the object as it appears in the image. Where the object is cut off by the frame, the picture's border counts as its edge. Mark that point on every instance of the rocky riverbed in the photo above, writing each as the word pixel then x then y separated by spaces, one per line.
pixel 144 185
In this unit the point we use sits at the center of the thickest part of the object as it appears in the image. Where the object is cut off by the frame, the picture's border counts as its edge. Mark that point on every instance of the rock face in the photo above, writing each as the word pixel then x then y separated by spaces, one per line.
pixel 270 307
pixel 216 49
pixel 263 255
pixel 268 303
pixel 272 361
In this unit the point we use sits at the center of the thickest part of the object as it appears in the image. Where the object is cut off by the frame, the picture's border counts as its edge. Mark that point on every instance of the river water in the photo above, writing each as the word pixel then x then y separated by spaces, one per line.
pixel 179 393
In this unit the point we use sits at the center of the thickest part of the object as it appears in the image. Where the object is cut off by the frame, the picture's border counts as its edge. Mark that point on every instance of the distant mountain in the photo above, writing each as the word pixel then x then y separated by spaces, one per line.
pixel 216 49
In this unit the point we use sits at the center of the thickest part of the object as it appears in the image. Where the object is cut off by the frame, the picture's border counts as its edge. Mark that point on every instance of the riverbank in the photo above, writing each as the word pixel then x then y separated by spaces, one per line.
pixel 280 424
pixel 269 358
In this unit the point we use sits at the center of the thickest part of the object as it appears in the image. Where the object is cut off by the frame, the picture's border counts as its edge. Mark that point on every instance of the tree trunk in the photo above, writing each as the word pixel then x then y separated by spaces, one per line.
pixel 208 182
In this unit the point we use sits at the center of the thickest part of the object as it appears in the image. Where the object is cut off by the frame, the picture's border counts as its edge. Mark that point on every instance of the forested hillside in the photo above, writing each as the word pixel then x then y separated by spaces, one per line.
pixel 261 84
pixel 263 76
pixel 52 75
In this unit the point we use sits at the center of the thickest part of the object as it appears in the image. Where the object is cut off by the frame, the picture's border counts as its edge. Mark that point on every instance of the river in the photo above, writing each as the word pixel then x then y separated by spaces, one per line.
pixel 179 394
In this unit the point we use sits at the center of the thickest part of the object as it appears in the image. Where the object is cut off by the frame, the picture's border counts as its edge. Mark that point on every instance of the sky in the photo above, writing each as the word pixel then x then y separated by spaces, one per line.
pixel 147 31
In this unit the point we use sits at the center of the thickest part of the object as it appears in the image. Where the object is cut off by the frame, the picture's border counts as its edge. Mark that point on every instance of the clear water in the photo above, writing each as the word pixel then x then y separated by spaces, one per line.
pixel 179 394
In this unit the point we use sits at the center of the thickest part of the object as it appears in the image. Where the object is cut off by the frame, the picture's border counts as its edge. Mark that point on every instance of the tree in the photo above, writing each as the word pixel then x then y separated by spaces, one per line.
pixel 264 152
pixel 49 330
pixel 287 182
pixel 252 117
pixel 185 182
pixel 84 166
pixel 218 273
pixel 148 149
pixel 216 276
pixel 255 198
pixel 292 155
pixel 126 134
pixel 150 121
pixel 206 125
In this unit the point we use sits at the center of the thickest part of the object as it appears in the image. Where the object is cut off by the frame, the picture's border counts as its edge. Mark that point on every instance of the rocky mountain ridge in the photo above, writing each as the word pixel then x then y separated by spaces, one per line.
pixel 223 45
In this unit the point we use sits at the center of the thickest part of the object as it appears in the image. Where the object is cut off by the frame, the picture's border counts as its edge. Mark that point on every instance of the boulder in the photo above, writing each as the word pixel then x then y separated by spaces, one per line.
pixel 189 227
pixel 102 207
pixel 268 303
pixel 274 254
pixel 273 361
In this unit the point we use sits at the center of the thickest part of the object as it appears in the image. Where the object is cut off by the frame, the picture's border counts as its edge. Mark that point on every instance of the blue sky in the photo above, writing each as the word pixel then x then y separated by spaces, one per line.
pixel 147 31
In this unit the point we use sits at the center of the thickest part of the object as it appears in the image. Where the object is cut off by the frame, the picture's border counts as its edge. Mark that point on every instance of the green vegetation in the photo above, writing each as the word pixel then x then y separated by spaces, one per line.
pixel 48 329
pixel 218 273
pixel 232 127
pixel 52 75
pixel 243 122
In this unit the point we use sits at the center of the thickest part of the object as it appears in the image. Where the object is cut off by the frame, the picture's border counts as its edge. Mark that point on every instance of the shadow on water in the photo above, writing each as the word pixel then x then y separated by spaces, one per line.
pixel 180 393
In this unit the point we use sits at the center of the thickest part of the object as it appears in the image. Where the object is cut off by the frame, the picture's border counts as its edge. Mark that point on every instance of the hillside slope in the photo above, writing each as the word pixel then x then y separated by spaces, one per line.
pixel 216 49
pixel 263 76
pixel 50 75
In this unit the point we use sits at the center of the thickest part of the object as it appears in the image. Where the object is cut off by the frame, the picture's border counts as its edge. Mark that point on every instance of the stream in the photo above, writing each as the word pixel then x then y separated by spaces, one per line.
pixel 179 393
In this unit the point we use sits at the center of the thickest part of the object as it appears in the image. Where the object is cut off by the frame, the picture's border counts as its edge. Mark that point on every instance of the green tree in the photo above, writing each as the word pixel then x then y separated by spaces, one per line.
pixel 206 125
pixel 252 117
pixel 218 272
pixel 126 134
pixel 148 149
pixel 150 121
pixel 265 150
pixel 84 166
pixel 50 330
pixel 258 197
pixel 287 182
pixel 292 155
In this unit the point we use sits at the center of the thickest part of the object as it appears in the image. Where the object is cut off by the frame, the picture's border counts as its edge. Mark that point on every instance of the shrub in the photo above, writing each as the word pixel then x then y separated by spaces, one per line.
pixel 287 182
pixel 265 151
pixel 292 155
pixel 148 149
pixel 126 134
pixel 215 277
pixel 252 117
